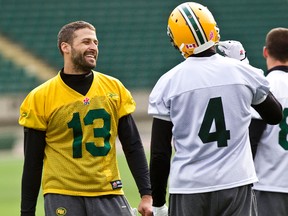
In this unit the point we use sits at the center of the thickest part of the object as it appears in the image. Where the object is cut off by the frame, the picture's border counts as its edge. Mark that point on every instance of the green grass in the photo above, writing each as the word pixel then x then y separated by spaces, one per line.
pixel 10 184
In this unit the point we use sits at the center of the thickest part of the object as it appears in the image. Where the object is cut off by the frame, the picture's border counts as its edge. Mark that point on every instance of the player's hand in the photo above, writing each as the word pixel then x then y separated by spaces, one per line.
pixel 145 206
pixel 233 49
pixel 160 211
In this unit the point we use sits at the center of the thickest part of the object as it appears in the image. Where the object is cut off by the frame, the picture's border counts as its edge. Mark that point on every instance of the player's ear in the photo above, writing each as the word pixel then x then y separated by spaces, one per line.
pixel 65 47
pixel 265 52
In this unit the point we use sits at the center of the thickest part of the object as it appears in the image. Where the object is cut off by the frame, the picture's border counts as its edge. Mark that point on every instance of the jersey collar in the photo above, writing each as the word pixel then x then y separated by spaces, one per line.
pixel 280 67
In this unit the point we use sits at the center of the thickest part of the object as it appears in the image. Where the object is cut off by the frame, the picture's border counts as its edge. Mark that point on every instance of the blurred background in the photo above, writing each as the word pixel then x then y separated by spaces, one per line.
pixel 133 47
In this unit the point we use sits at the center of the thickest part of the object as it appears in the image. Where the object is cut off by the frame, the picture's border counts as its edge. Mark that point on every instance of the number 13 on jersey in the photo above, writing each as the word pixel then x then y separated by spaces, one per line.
pixel 103 132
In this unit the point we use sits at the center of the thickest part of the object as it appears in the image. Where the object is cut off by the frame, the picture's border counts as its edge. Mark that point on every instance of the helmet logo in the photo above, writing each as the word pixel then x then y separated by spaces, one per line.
pixel 191 46
pixel 211 35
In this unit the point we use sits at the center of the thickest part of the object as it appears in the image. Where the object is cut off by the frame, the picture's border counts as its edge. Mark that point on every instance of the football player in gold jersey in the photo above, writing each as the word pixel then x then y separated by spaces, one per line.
pixel 71 123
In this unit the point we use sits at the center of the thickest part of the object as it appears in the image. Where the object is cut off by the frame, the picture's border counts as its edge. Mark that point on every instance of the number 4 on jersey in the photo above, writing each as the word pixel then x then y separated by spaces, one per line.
pixel 214 112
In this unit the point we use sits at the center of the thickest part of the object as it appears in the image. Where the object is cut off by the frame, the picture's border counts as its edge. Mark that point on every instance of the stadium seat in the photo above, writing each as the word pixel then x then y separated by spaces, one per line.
pixel 133 45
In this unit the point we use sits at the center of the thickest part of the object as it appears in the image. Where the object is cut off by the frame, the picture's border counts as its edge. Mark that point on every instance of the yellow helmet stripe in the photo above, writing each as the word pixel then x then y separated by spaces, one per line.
pixel 193 23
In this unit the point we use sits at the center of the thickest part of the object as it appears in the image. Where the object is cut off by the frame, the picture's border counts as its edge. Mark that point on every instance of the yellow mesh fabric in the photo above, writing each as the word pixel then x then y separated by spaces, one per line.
pixel 80 155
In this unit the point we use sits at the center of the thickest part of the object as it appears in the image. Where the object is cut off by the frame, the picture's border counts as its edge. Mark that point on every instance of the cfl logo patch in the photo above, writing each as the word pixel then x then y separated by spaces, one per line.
pixel 116 184
pixel 61 211
pixel 86 101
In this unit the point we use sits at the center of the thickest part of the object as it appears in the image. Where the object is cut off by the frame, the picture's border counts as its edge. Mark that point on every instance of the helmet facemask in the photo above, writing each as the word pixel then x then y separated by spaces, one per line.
pixel 170 35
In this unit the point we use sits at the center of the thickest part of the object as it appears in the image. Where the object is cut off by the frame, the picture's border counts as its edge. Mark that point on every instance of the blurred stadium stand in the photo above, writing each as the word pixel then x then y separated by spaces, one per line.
pixel 132 34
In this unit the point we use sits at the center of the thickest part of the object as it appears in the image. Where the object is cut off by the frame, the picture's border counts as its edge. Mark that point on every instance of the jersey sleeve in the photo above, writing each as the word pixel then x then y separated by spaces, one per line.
pixel 128 104
pixel 32 112
pixel 159 106
pixel 261 86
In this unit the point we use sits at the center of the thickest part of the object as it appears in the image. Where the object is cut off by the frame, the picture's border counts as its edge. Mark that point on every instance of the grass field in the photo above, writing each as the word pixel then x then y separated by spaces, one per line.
pixel 10 181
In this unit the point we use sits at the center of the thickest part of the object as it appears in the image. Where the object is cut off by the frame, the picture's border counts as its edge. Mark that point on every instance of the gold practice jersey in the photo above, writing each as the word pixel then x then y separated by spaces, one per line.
pixel 80 152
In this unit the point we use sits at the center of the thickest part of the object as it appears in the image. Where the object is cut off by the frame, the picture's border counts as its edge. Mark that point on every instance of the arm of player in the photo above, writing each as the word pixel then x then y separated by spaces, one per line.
pixel 161 151
pixel 270 110
pixel 233 49
pixel 256 129
pixel 34 145
pixel 135 155
pixel 145 206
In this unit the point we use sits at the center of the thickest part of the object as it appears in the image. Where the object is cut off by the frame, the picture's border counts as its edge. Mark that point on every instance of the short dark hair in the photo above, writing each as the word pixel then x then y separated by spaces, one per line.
pixel 277 43
pixel 66 34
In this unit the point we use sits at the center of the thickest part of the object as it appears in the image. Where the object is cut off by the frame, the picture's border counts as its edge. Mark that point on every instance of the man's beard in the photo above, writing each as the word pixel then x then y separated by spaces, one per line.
pixel 80 64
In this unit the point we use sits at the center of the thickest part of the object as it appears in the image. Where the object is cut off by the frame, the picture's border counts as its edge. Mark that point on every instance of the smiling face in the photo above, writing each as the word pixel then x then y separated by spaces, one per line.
pixel 81 55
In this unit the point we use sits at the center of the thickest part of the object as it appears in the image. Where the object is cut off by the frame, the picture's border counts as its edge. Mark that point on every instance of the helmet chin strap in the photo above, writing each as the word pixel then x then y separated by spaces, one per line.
pixel 204 47
pixel 182 50
pixel 187 52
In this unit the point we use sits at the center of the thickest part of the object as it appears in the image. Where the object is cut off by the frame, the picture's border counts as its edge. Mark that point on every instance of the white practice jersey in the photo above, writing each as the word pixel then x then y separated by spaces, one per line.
pixel 208 100
pixel 271 159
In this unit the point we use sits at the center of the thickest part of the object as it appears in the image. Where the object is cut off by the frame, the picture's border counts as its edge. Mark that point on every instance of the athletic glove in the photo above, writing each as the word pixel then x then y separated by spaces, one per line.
pixel 233 49
pixel 160 211
pixel 134 211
